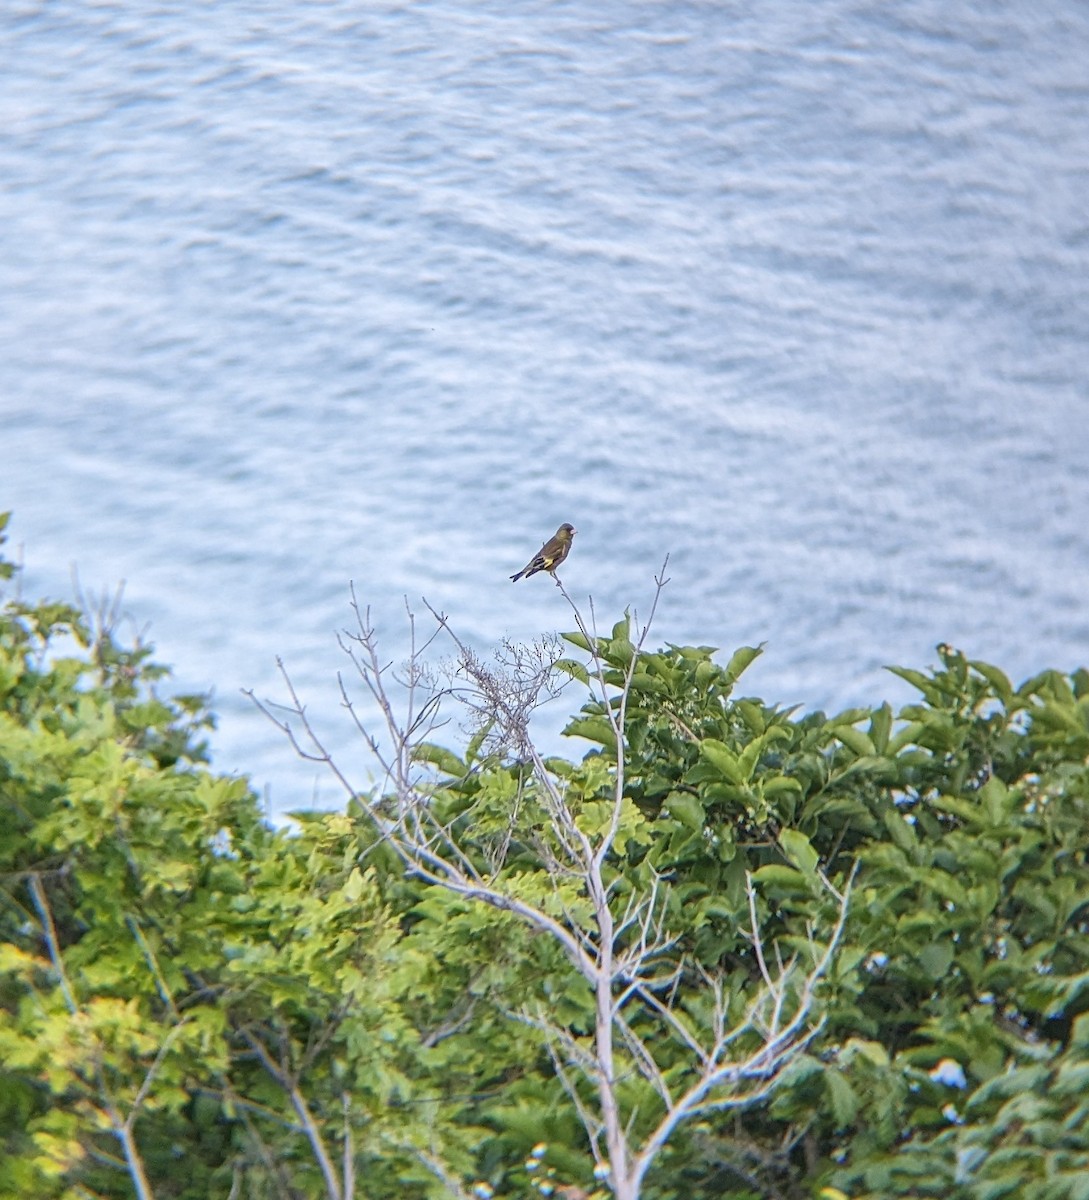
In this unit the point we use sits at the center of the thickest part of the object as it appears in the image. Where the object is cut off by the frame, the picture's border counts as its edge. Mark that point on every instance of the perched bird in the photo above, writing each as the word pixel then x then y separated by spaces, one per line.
pixel 550 555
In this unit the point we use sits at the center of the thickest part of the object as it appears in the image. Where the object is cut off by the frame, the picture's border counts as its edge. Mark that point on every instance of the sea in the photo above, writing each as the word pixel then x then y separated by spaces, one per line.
pixel 305 300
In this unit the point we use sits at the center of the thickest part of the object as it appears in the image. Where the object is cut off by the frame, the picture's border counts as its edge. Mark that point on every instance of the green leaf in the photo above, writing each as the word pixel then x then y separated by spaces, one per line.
pixel 779 878
pixel 778 785
pixel 881 728
pixel 936 958
pixel 924 683
pixel 798 849
pixel 621 651
pixel 856 740
pixel 753 715
pixel 844 1100
pixel 576 670
pixel 723 759
pixel 643 684
pixel 740 660
pixel 686 809
pixel 874 1052
pixel 438 756
pixel 998 680
pixel 593 729
pixel 353 888
pixel 472 751
pixel 901 833
pixel 905 736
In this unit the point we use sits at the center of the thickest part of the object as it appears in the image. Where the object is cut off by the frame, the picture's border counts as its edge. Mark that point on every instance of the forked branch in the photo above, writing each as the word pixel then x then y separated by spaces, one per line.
pixel 693 1058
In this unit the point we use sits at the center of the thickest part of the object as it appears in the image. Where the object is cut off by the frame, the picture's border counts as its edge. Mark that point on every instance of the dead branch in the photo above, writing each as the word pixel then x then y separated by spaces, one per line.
pixel 619 943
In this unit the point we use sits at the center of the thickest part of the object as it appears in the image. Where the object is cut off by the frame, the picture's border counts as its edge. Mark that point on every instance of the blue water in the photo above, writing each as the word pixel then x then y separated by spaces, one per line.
pixel 297 294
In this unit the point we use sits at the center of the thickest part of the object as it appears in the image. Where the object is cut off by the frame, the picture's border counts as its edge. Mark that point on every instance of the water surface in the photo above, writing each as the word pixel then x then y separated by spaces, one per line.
pixel 296 295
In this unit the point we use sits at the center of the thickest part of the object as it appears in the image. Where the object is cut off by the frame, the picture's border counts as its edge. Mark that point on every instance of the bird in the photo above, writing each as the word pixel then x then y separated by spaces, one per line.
pixel 550 555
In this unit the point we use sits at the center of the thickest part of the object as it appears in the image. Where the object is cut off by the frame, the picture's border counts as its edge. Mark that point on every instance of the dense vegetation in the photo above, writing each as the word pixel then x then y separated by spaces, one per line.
pixel 193 1004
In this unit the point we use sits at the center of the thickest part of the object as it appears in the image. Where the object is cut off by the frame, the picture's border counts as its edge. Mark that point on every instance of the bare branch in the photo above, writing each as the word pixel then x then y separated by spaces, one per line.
pixel 613 928
pixel 317 752
pixel 149 1076
pixel 49 930
pixel 291 1089
pixel 348 1169
pixel 435 1165
pixel 120 1127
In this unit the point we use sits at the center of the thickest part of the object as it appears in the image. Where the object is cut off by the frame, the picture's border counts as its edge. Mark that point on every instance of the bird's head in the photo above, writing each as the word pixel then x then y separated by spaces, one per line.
pixel 566 532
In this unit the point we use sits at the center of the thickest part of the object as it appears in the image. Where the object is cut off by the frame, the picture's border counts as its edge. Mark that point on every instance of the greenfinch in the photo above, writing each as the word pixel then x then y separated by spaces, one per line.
pixel 550 555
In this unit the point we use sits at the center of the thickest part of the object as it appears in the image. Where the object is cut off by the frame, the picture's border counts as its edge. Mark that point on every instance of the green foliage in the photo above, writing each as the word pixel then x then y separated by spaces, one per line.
pixel 170 966
pixel 245 1000
pixel 966 942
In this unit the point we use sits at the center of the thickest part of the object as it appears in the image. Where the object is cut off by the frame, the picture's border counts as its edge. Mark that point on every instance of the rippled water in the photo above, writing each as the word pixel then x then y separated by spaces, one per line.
pixel 297 294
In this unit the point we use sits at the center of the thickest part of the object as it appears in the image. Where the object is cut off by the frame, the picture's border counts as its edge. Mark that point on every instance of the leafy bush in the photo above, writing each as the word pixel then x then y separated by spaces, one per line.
pixel 194 1004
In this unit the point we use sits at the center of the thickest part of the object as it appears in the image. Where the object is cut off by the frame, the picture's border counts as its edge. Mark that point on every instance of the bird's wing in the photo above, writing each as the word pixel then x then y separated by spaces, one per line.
pixel 551 554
